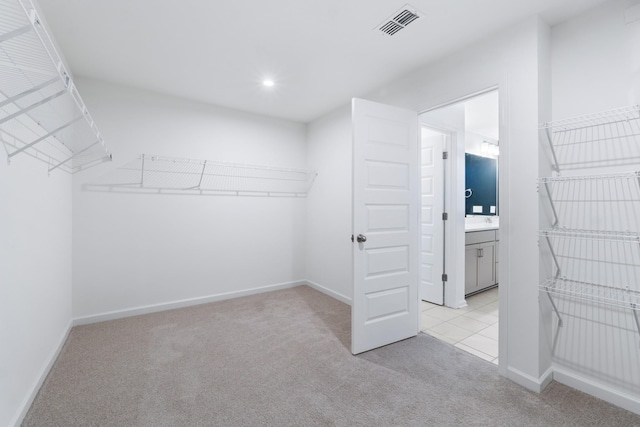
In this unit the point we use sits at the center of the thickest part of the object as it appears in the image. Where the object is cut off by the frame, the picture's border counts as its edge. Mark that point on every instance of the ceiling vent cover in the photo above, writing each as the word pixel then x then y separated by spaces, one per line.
pixel 398 20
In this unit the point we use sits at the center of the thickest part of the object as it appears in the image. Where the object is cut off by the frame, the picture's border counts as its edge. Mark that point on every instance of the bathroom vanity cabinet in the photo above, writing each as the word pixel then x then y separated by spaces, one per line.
pixel 481 258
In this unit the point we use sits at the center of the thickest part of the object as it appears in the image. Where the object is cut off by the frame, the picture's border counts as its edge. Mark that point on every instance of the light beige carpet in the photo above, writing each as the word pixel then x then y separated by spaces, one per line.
pixel 282 359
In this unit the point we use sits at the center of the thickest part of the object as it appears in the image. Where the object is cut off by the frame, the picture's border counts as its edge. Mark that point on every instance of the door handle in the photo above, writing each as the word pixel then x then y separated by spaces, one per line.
pixel 361 238
pixel 480 252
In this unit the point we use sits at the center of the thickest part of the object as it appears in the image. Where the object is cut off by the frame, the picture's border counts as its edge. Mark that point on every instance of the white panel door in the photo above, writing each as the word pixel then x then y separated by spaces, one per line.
pixel 385 224
pixel 431 226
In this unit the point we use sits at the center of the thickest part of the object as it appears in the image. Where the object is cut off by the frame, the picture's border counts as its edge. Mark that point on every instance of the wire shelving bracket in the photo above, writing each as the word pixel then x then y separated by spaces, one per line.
pixel 41 112
pixel 169 175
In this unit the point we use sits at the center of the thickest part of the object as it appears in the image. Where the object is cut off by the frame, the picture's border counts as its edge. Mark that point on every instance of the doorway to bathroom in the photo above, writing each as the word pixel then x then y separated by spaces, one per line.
pixel 459 255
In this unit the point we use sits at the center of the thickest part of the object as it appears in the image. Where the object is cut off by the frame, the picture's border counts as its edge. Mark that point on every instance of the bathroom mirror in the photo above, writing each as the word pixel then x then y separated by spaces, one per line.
pixel 481 185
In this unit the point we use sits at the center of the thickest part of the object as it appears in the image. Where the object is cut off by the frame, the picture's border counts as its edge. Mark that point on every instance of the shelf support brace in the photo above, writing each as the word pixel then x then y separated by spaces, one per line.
pixel 71 157
pixel 197 187
pixel 553 206
pixel 15 33
pixel 553 255
pixel 32 106
pixel 553 304
pixel 42 138
pixel 142 173
pixel 553 150
pixel 28 92
pixel 634 308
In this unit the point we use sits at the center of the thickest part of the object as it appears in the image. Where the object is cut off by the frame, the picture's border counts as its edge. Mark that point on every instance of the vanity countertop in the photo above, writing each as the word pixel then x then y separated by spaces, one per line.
pixel 480 227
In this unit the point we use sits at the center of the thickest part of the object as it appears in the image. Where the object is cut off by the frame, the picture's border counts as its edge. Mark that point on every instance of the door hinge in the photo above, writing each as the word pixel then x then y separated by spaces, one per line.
pixel 445 155
pixel 445 216
pixel 445 277
pixel 352 238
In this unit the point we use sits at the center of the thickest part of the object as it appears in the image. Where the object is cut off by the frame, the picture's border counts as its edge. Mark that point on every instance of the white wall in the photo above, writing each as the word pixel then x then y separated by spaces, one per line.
pixel 596 67
pixel 35 278
pixel 136 250
pixel 329 248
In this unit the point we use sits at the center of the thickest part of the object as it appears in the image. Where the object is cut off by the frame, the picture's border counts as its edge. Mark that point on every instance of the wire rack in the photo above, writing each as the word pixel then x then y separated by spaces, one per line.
pixel 41 112
pixel 612 136
pixel 601 209
pixel 612 236
pixel 617 296
pixel 150 173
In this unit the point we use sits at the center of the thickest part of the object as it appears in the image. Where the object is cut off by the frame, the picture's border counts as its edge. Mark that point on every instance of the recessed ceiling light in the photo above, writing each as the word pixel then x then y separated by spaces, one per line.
pixel 268 83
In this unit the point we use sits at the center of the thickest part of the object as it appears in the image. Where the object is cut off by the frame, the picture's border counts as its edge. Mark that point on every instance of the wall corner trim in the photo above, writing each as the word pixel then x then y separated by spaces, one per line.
pixel 153 308
pixel 329 292
pixel 529 382
pixel 625 400
pixel 42 376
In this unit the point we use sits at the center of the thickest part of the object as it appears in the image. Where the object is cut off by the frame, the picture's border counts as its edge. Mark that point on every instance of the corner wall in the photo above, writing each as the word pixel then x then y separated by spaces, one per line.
pixel 135 252
pixel 329 265
pixel 35 278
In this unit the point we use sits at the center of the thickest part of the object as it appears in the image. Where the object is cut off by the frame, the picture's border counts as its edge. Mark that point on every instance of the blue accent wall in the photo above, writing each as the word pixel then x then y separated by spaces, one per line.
pixel 481 176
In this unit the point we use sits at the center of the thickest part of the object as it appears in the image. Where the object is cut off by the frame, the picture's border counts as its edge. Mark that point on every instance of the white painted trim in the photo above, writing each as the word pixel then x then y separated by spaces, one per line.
pixel 329 292
pixel 596 388
pixel 529 382
pixel 42 375
pixel 153 308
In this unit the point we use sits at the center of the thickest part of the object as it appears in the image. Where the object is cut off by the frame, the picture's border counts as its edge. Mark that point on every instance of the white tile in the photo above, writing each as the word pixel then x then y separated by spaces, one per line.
pixel 429 321
pixel 490 332
pixel 492 308
pixel 440 337
pixel 474 352
pixel 483 344
pixel 453 332
pixel 428 306
pixel 468 323
pixel 444 313
pixel 480 316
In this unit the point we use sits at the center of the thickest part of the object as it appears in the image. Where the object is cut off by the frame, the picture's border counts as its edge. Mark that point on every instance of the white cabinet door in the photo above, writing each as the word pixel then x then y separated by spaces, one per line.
pixel 470 269
pixel 385 224
pixel 486 265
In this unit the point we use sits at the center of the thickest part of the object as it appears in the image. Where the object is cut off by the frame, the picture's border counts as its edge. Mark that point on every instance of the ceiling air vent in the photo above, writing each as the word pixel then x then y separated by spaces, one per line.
pixel 399 20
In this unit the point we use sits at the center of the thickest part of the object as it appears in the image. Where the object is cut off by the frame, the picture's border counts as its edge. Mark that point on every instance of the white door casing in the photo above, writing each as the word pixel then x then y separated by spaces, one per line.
pixel 431 223
pixel 385 212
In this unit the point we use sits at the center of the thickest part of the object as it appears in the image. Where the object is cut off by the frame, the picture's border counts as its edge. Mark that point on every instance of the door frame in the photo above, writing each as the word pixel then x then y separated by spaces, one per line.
pixel 454 245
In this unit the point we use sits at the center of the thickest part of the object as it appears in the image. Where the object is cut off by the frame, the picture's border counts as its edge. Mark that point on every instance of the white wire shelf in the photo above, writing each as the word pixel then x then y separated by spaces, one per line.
pixel 41 112
pixel 150 173
pixel 601 177
pixel 614 136
pixel 616 296
pixel 600 235
pixel 618 115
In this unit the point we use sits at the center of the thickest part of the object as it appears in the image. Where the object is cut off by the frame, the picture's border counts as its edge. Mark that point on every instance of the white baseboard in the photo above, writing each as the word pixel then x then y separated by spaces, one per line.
pixel 626 400
pixel 329 292
pixel 529 382
pixel 42 375
pixel 153 308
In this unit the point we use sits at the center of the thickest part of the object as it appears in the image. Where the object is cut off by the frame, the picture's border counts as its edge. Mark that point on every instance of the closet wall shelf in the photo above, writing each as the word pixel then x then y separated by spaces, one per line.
pixel 598 128
pixel 169 175
pixel 603 176
pixel 41 112
pixel 614 296
pixel 611 236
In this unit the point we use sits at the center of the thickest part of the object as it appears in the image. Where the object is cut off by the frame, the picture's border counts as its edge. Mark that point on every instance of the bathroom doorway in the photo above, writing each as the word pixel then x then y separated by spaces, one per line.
pixel 466 313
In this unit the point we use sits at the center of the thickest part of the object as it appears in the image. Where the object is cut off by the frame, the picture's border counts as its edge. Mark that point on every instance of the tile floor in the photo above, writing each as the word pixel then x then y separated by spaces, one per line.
pixel 473 328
